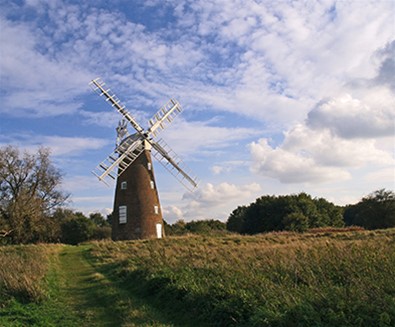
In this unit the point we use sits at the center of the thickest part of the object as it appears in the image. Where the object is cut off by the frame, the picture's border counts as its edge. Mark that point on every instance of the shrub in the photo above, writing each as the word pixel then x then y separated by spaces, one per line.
pixel 77 230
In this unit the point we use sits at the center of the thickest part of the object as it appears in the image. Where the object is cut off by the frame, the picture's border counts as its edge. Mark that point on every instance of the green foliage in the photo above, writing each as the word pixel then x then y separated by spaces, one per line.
pixel 202 227
pixel 101 233
pixel 178 228
pixel 102 228
pixel 77 229
pixel 289 212
pixel 98 219
pixel 296 222
pixel 236 220
pixel 377 210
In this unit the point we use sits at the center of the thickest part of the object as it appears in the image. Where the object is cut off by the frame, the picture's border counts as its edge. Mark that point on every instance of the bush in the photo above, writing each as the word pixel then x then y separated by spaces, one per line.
pixel 202 227
pixel 77 230
pixel 101 233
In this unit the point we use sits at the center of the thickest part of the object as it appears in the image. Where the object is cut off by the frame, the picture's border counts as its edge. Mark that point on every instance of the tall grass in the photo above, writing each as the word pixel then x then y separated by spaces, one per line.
pixel 278 279
pixel 22 269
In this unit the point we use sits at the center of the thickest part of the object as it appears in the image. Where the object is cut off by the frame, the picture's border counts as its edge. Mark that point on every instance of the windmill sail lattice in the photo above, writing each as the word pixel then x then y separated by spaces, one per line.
pixel 164 116
pixel 116 163
pixel 136 199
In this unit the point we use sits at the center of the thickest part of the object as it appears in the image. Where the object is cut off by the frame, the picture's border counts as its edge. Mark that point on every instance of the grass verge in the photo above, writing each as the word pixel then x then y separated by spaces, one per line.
pixel 30 288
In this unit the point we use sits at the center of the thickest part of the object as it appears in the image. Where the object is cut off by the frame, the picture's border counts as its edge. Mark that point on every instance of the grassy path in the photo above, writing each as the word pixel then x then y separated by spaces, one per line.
pixel 79 292
pixel 85 291
pixel 94 299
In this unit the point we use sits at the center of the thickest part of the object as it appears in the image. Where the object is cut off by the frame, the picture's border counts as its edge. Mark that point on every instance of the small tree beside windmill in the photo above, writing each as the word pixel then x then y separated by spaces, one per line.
pixel 137 213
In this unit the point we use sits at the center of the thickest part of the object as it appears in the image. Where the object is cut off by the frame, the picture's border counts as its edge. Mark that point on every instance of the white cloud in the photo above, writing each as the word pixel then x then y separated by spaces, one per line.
pixel 290 167
pixel 172 213
pixel 59 145
pixel 80 183
pixel 210 193
pixel 268 62
pixel 72 146
pixel 228 166
pixel 217 201
pixel 348 117
pixel 219 169
pixel 36 84
pixel 386 57
pixel 315 155
pixel 188 138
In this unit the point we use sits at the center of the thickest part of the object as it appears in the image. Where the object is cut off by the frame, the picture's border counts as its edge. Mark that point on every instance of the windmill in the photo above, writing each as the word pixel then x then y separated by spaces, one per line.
pixel 137 213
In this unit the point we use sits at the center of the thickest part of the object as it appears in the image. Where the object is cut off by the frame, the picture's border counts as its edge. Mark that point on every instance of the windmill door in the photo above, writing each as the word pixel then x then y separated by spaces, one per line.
pixel 159 230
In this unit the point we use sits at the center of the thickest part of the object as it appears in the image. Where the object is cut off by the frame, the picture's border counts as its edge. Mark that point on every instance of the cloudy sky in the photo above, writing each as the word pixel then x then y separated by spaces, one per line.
pixel 278 97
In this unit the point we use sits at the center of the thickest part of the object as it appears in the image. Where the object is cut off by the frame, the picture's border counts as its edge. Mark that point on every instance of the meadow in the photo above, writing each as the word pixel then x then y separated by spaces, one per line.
pixel 276 279
pixel 321 278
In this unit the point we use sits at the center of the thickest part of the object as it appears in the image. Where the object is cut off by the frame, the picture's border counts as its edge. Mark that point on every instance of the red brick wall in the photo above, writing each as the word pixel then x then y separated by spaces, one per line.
pixel 140 200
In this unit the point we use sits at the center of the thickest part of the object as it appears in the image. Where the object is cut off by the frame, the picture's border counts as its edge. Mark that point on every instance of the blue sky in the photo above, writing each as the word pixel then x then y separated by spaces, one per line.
pixel 278 97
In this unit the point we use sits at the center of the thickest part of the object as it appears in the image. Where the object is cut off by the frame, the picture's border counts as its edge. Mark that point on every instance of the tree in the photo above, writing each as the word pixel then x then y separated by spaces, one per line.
pixel 98 219
pixel 292 212
pixel 102 228
pixel 202 227
pixel 29 193
pixel 178 228
pixel 331 215
pixel 376 210
pixel 205 227
pixel 296 222
pixel 236 220
pixel 77 229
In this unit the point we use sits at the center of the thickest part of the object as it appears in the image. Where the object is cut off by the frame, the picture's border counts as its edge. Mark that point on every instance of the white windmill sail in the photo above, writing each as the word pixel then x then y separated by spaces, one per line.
pixel 164 116
pixel 130 148
pixel 117 162
pixel 173 164
pixel 98 86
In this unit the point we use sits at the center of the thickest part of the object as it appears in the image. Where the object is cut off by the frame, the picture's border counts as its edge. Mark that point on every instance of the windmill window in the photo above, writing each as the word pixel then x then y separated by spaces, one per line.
pixel 124 185
pixel 122 214
pixel 156 210
pixel 152 184
pixel 149 166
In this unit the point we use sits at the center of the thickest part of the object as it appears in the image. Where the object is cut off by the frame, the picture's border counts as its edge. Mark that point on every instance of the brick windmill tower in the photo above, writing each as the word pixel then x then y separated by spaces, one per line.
pixel 137 213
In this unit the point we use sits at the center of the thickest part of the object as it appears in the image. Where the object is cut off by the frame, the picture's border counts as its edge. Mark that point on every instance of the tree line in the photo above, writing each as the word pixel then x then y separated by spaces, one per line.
pixel 32 208
pixel 300 212
pixel 297 213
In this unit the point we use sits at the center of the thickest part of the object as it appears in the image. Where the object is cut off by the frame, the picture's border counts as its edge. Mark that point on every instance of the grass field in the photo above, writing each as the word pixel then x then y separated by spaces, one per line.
pixel 318 279
pixel 279 279
pixel 57 286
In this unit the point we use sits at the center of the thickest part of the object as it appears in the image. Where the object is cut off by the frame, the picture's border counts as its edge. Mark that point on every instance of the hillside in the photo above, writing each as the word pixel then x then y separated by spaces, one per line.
pixel 276 279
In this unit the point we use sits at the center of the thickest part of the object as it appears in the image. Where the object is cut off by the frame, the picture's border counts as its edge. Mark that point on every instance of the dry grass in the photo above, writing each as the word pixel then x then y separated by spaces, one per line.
pixel 320 278
pixel 22 270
